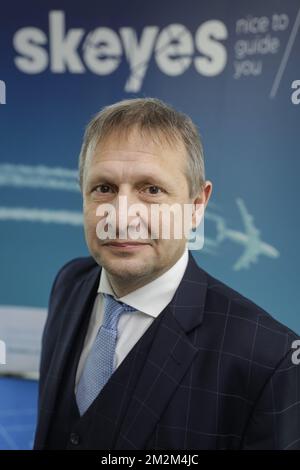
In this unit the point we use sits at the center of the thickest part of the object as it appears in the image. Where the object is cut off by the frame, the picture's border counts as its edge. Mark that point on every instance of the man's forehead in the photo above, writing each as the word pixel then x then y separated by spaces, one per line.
pixel 138 143
pixel 135 158
pixel 114 154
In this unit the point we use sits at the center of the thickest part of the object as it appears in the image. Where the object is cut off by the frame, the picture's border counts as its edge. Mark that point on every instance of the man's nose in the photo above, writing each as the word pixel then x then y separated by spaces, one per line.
pixel 125 199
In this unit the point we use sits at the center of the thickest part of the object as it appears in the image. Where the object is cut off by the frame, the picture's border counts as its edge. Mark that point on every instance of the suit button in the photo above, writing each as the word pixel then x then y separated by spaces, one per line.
pixel 74 439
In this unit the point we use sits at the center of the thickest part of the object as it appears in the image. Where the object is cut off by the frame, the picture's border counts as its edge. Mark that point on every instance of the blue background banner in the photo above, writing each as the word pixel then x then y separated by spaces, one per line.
pixel 233 66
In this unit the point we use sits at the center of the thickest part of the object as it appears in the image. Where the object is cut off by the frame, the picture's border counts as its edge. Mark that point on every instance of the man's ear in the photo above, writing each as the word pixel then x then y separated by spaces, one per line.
pixel 200 202
pixel 206 192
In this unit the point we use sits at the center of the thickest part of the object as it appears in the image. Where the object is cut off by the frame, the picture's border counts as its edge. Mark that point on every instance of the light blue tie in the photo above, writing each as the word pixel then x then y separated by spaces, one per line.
pixel 100 362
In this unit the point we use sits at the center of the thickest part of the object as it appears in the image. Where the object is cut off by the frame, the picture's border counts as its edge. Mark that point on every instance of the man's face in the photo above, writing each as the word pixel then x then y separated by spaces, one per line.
pixel 146 173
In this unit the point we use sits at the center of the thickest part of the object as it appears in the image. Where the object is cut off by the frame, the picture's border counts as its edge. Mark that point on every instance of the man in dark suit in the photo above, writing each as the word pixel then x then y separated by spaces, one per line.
pixel 142 349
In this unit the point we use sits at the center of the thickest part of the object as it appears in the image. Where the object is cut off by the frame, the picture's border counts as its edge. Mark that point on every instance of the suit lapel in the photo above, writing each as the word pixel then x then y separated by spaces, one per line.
pixel 77 306
pixel 170 357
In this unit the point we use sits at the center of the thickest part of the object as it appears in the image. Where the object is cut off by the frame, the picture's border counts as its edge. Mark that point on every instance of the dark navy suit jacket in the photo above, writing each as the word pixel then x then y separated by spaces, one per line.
pixel 219 375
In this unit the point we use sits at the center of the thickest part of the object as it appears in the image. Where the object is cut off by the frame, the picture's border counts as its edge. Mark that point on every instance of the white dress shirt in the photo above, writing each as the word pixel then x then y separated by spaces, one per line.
pixel 149 300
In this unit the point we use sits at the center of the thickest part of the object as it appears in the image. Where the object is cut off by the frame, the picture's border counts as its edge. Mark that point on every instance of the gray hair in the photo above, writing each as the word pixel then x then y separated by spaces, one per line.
pixel 157 119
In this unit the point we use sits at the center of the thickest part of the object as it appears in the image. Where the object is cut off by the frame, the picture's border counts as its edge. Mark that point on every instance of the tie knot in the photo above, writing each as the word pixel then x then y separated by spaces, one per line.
pixel 113 301
pixel 112 311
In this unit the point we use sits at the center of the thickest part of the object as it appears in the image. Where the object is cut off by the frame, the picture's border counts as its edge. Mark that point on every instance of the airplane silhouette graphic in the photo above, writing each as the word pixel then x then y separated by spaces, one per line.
pixel 250 238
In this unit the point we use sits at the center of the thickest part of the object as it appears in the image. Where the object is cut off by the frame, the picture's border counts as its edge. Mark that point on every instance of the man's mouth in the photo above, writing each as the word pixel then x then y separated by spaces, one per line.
pixel 126 245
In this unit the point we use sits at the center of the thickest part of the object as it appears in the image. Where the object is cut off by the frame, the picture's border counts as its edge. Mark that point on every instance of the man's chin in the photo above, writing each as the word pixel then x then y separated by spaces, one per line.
pixel 126 268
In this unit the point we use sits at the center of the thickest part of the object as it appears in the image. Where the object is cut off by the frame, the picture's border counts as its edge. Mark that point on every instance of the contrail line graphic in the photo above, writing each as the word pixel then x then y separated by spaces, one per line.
pixel 41 215
pixel 285 56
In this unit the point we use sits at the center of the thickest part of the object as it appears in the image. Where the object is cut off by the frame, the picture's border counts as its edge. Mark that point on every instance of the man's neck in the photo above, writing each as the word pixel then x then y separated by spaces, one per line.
pixel 122 287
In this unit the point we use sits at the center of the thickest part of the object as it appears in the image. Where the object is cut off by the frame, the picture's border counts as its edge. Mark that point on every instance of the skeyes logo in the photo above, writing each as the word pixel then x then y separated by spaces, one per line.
pixel 101 50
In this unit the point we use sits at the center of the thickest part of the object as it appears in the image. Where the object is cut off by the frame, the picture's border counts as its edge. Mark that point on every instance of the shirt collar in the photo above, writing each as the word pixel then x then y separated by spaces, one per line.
pixel 153 297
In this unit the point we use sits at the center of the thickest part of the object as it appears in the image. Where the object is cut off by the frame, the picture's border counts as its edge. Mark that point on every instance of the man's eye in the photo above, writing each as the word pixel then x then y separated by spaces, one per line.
pixel 154 189
pixel 102 188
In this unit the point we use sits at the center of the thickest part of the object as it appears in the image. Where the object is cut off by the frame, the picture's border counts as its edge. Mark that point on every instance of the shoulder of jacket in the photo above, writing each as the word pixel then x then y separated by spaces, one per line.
pixel 248 317
pixel 74 269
